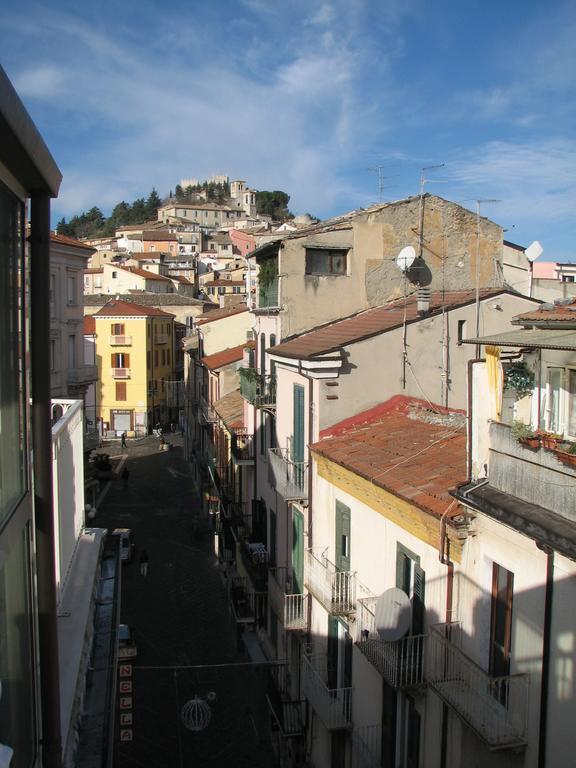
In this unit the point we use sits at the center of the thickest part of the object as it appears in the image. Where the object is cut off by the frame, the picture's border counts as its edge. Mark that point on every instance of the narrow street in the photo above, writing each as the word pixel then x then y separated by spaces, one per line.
pixel 181 622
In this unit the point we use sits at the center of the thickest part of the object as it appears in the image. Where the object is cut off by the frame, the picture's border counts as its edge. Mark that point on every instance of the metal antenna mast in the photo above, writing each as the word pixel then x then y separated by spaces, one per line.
pixel 379 169
pixel 423 181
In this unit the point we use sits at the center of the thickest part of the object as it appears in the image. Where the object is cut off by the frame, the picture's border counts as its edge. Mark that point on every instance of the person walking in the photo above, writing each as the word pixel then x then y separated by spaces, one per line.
pixel 143 562
pixel 123 440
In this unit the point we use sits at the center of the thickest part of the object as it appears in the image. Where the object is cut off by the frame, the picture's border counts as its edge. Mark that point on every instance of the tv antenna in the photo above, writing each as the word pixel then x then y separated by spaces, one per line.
pixel 379 169
pixel 423 181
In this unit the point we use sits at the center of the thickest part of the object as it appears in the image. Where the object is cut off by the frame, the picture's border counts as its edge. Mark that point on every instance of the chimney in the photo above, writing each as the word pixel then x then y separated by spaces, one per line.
pixel 423 300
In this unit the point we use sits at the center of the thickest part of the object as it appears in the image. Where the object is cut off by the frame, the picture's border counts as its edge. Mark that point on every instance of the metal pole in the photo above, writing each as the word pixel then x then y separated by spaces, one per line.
pixel 42 472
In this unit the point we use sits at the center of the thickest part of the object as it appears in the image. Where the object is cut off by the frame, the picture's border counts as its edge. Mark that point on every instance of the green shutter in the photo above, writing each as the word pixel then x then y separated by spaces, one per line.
pixel 418 610
pixel 298 424
pixel 297 552
pixel 342 543
pixel 262 361
pixel 332 652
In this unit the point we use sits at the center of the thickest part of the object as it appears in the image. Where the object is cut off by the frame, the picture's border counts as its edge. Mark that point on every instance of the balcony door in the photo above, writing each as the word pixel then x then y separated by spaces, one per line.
pixel 501 621
pixel 297 551
pixel 342 543
pixel 339 654
pixel 410 578
pixel 297 445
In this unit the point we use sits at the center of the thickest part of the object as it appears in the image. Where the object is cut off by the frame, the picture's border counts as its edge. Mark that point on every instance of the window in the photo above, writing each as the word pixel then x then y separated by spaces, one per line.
pixel 72 351
pixel 52 355
pixel 71 282
pixel 52 293
pixel 410 578
pixel 326 261
pixel 156 358
pixel 86 281
pixel 167 357
pixel 342 542
pixel 120 360
pixel 222 290
pixel 571 386
pixel 567 278
pixel 163 357
pixel 148 360
pixel 114 274
pixel 461 331
pixel 121 391
pixel 117 329
pixel 551 413
pixel 501 621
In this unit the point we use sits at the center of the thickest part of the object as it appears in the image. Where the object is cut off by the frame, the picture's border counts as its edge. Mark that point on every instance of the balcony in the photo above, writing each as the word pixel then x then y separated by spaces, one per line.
pixel 207 412
pixel 290 609
pixel 288 715
pixel 257 388
pixel 248 607
pixel 120 341
pixel 332 705
pixel 334 589
pixel 493 707
pixel 289 478
pixel 367 746
pixel 161 338
pixel 243 449
pixel 84 374
pixel 268 296
pixel 400 663
pixel 252 559
pixel 120 373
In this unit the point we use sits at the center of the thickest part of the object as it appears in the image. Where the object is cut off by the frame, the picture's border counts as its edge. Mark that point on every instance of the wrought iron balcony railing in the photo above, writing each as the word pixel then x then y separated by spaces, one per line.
pixel 334 589
pixel 494 707
pixel 120 373
pixel 243 449
pixel 289 478
pixel 332 705
pixel 208 413
pixel 400 663
pixel 290 609
pixel 257 388
pixel 248 606
pixel 288 714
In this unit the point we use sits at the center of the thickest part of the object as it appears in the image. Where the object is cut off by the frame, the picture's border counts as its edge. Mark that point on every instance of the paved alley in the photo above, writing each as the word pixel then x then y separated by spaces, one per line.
pixel 181 621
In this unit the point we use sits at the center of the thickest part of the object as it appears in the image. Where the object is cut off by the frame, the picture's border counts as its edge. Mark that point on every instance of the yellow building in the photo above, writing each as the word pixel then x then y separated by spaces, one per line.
pixel 135 357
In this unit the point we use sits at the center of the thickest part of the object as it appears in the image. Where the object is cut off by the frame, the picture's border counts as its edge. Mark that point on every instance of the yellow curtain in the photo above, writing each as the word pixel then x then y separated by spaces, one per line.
pixel 495 381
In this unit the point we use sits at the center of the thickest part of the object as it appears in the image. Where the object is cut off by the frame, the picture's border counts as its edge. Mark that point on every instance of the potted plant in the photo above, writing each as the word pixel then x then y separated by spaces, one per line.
pixel 566 453
pixel 519 377
pixel 525 434
pixel 549 440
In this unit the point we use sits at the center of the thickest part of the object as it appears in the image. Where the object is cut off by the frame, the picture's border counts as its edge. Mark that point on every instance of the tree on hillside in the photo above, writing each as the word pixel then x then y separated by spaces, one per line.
pixel 152 204
pixel 273 204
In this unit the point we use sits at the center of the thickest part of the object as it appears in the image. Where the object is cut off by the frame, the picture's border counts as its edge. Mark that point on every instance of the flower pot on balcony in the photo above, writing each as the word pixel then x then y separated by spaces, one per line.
pixel 549 440
pixel 566 458
pixel 530 442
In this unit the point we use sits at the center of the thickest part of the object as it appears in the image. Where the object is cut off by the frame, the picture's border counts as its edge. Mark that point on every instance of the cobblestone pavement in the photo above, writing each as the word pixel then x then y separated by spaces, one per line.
pixel 181 621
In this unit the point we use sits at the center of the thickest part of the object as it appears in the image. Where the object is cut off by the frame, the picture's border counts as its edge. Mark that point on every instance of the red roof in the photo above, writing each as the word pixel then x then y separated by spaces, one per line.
pixel 117 308
pixel 546 313
pixel 222 282
pixel 89 325
pixel 145 273
pixel 220 314
pixel 401 450
pixel 94 271
pixel 65 240
pixel 226 356
pixel 372 322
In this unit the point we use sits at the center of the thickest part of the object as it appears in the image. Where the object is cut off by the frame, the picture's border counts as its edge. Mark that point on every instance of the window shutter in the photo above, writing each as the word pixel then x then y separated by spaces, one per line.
pixel 332 652
pixel 298 424
pixel 297 552
pixel 126 361
pixel 418 609
pixel 342 544
pixel 114 360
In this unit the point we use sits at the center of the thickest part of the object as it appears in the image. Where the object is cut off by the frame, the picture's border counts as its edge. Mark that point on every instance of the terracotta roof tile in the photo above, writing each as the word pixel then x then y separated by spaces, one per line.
pixel 230 408
pixel 226 356
pixel 550 313
pixel 220 314
pixel 145 273
pixel 89 325
pixel 400 451
pixel 371 322
pixel 116 308
pixel 65 240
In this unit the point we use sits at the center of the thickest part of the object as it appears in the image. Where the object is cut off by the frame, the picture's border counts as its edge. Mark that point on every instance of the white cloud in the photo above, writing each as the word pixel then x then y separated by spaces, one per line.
pixel 43 82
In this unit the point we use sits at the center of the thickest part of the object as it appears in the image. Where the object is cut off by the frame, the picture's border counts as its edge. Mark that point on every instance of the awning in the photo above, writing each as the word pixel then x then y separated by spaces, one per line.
pixel 530 338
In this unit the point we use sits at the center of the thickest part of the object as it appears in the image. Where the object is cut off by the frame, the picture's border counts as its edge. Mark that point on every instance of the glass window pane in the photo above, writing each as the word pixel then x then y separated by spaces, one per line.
pixel 12 477
pixel 17 729
pixel 553 406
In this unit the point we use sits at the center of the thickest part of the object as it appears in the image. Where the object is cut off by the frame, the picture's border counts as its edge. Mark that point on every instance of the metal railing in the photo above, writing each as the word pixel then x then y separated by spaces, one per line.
pixel 367 746
pixel 208 413
pixel 120 373
pixel 243 448
pixel 120 341
pixel 289 478
pixel 290 608
pixel 335 589
pixel 401 663
pixel 494 707
pixel 257 388
pixel 332 705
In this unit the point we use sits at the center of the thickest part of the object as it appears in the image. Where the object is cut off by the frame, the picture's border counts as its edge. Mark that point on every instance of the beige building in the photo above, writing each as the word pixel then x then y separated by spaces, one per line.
pixel 205 215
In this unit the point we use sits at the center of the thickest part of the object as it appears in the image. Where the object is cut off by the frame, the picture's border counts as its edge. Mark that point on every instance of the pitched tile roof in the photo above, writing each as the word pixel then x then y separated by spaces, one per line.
pixel 404 452
pixel 372 322
pixel 118 308
pixel 65 240
pixel 226 356
pixel 562 311
pixel 94 271
pixel 214 283
pixel 230 408
pixel 89 325
pixel 145 273
pixel 220 314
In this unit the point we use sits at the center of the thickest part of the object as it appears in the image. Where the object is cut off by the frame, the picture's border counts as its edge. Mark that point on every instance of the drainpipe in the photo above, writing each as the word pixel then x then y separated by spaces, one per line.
pixel 444 558
pixel 546 641
pixel 42 472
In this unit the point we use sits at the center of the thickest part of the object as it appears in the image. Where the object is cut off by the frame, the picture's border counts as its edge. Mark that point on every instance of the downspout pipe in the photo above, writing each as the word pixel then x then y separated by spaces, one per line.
pixel 42 486
pixel 546 642
pixel 443 556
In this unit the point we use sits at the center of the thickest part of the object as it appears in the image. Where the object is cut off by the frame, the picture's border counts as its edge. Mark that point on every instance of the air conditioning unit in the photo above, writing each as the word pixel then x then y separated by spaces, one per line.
pixel 250 335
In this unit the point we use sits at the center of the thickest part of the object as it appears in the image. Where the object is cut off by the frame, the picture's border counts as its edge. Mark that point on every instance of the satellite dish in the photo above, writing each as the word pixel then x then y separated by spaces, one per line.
pixel 406 258
pixel 534 251
pixel 392 615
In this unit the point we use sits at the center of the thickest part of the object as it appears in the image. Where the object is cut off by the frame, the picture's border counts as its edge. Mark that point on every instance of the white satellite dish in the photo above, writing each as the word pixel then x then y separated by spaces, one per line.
pixel 392 615
pixel 406 258
pixel 534 251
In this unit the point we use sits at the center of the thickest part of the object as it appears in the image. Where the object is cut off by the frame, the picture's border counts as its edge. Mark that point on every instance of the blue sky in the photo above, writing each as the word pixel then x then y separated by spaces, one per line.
pixel 306 96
